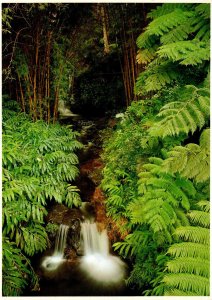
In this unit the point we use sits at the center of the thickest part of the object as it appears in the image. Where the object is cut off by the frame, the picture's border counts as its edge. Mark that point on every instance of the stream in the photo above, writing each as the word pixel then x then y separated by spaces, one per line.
pixel 80 261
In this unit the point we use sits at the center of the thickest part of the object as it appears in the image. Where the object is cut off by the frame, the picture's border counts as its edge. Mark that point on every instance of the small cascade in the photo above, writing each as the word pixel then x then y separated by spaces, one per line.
pixel 51 263
pixel 61 240
pixel 97 262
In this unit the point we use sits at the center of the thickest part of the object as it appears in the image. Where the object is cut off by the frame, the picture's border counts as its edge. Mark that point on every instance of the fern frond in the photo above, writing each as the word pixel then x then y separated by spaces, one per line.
pixel 190 265
pixel 157 78
pixel 204 205
pixel 202 29
pixel 144 56
pixel 178 292
pixel 188 282
pixel 15 272
pixel 182 116
pixel 180 33
pixel 194 234
pixel 166 9
pixel 200 217
pixel 204 10
pixel 191 161
pixel 186 52
pixel 31 239
pixel 190 249
pixel 164 23
pixel 145 40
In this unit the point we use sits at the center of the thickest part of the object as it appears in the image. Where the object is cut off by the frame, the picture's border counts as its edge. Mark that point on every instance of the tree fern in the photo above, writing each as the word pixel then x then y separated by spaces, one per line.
pixel 156 78
pixel 198 285
pixel 166 9
pixel 193 160
pixel 189 268
pixel 186 52
pixel 178 34
pixel 188 114
pixel 162 198
pixel 191 265
pixel 190 249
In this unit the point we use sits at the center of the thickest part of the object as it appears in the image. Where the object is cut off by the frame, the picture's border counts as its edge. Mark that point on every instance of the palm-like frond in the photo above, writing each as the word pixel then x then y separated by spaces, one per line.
pixel 188 283
pixel 188 114
pixel 189 270
pixel 191 161
pixel 192 265
pixel 179 33
pixel 190 249
pixel 194 234
pixel 186 52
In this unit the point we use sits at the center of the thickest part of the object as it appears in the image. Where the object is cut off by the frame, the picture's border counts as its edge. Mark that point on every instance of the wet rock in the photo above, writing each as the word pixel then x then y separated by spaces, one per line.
pixel 116 233
pixel 88 210
pixel 71 255
pixel 86 187
pixel 72 217
pixel 61 214
pixel 56 214
pixel 112 123
pixel 93 170
pixel 98 201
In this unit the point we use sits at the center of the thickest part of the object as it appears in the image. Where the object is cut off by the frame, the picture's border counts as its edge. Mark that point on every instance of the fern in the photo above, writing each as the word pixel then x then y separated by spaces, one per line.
pixel 190 249
pixel 166 9
pixel 157 77
pixel 146 55
pixel 193 234
pixel 186 52
pixel 193 160
pixel 190 265
pixel 162 200
pixel 178 34
pixel 189 269
pixel 16 270
pixel 164 23
pixel 188 282
pixel 35 169
pixel 188 114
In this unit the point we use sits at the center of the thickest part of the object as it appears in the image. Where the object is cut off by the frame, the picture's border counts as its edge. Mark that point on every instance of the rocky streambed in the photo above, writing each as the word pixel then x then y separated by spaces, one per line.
pixel 68 280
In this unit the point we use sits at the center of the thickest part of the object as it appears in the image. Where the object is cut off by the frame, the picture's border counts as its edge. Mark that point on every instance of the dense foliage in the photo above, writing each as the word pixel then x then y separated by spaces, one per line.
pixel 157 160
pixel 156 175
pixel 39 162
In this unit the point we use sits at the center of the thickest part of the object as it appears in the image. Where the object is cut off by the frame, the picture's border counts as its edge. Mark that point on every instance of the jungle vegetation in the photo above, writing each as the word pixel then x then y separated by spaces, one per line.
pixel 150 62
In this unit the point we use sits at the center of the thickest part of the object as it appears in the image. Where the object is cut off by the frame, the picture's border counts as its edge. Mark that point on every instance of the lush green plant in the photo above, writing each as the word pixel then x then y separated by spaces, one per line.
pixel 165 174
pixel 38 163
pixel 52 228
pixel 188 269
pixel 174 43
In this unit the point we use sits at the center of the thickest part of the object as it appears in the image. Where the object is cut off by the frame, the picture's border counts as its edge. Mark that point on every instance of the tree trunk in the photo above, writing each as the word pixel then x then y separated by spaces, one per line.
pixel 22 95
pixel 104 18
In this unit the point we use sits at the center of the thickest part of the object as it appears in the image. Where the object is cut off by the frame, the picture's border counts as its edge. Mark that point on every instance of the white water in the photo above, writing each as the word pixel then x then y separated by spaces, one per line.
pixel 51 263
pixel 97 262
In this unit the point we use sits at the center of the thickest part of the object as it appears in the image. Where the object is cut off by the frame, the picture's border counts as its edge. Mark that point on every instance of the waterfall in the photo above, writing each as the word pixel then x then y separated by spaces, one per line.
pixel 61 240
pixel 94 241
pixel 51 263
pixel 97 261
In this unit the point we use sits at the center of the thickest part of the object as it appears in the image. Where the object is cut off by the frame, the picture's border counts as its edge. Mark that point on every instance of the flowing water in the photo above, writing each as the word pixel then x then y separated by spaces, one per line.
pixel 92 271
pixel 97 262
pixel 51 263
